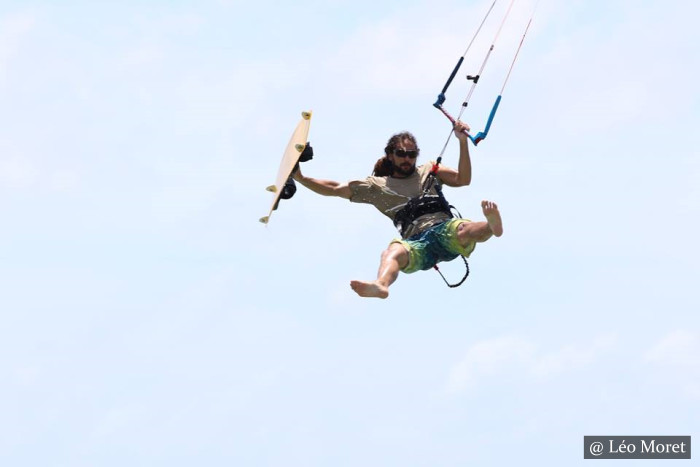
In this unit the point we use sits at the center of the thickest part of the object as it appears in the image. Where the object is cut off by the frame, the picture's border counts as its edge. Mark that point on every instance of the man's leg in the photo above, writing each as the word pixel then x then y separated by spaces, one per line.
pixel 393 260
pixel 469 232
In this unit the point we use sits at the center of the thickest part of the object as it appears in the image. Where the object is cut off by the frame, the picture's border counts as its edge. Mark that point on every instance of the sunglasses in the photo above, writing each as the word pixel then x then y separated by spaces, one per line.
pixel 403 153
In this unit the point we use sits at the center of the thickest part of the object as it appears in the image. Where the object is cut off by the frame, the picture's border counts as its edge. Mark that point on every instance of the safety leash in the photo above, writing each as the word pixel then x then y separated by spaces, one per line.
pixel 466 274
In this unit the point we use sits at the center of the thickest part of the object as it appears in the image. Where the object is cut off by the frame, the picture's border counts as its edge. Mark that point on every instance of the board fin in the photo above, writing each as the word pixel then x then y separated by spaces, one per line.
pixel 272 188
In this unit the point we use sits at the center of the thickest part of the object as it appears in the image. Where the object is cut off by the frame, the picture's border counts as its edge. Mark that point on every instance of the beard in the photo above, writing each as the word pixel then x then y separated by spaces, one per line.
pixel 404 170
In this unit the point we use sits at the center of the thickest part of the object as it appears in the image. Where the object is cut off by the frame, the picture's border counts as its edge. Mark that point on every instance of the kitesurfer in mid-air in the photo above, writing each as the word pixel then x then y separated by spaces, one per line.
pixel 429 232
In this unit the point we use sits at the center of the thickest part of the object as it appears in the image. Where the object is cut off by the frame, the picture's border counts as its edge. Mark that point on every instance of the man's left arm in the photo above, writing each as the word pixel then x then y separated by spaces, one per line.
pixel 463 175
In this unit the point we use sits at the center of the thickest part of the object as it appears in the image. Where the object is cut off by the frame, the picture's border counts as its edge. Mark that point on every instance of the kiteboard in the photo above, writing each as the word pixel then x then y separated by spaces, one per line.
pixel 297 149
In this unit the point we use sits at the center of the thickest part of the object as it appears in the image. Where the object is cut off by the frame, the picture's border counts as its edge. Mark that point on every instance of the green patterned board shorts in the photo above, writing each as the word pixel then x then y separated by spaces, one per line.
pixel 438 243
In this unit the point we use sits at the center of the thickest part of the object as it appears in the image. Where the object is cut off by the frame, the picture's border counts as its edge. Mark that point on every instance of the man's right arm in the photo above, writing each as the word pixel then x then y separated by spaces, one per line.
pixel 324 187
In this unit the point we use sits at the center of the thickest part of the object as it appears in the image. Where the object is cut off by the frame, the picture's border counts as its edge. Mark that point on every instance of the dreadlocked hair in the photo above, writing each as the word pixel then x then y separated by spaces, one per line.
pixel 384 167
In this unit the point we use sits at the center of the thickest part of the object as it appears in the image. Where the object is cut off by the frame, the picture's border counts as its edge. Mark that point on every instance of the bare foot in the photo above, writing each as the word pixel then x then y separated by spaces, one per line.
pixel 493 217
pixel 369 289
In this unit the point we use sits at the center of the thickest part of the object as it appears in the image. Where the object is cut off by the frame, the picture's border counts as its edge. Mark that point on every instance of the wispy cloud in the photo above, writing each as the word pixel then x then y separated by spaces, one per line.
pixel 13 29
pixel 675 356
pixel 490 360
pixel 21 171
pixel 17 172
pixel 490 357
pixel 413 50
pixel 677 348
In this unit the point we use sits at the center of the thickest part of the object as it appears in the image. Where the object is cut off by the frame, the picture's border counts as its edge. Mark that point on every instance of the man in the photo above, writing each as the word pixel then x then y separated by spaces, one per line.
pixel 427 239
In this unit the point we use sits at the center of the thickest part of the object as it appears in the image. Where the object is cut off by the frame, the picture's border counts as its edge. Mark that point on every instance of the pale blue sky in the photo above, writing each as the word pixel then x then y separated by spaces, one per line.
pixel 147 318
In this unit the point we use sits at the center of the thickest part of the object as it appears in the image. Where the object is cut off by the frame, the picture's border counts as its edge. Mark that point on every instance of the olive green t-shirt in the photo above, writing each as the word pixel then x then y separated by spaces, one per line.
pixel 390 194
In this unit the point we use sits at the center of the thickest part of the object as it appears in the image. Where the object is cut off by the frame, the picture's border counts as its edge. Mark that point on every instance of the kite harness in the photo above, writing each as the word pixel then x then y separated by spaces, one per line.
pixel 426 203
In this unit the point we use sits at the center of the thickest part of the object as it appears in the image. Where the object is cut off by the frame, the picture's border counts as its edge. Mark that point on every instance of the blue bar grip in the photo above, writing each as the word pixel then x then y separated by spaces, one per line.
pixel 491 115
pixel 482 134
